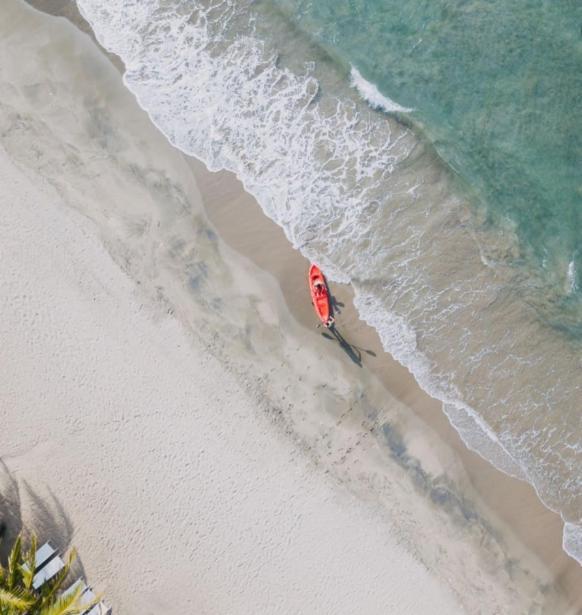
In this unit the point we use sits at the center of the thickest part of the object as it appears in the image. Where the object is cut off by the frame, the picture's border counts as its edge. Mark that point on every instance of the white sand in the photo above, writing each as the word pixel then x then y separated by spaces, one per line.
pixel 200 449
pixel 182 499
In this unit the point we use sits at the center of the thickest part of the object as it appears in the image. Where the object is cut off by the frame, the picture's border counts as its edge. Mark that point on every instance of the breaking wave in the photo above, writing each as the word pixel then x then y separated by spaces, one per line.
pixel 370 93
pixel 361 195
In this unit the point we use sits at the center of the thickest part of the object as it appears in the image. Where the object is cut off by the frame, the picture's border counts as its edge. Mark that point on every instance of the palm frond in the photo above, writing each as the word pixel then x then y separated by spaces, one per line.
pixel 26 576
pixel 3 571
pixel 30 555
pixel 15 600
pixel 68 605
pixel 27 572
pixel 14 563
pixel 55 584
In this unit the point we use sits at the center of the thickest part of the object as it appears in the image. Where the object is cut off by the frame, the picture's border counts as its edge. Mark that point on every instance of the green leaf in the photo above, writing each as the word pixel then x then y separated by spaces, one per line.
pixel 54 585
pixel 68 605
pixel 14 562
pixel 30 557
pixel 16 600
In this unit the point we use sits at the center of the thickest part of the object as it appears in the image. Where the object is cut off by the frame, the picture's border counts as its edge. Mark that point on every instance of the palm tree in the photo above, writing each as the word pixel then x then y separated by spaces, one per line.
pixel 17 596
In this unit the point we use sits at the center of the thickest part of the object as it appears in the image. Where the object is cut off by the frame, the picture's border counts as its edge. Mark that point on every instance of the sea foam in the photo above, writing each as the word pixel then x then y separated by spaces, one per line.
pixel 572 542
pixel 359 194
pixel 571 276
pixel 370 93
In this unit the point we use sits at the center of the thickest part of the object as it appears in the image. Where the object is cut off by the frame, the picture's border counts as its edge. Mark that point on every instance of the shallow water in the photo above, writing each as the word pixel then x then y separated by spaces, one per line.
pixel 370 200
pixel 497 87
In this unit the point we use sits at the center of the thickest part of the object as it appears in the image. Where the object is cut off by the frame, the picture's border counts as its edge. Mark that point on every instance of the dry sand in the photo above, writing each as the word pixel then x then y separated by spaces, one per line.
pixel 178 495
pixel 242 224
pixel 164 410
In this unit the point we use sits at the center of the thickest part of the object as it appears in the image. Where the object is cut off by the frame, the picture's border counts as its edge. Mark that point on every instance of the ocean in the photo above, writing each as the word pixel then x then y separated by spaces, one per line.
pixel 431 156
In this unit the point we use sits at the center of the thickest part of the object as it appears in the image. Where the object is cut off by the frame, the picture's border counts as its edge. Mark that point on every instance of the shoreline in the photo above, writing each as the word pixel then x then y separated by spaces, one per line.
pixel 135 429
pixel 210 502
pixel 256 237
pixel 68 9
pixel 242 225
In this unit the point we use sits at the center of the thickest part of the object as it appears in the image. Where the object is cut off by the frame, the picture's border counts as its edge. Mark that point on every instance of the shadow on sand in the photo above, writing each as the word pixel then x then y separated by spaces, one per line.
pixel 354 352
pixel 332 333
pixel 47 518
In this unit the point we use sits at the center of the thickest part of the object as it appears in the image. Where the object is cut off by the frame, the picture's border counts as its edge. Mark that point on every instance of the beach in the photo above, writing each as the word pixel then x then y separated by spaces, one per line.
pixel 172 411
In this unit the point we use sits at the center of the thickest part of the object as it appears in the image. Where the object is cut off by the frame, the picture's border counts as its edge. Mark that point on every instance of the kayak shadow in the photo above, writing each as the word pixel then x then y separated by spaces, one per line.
pixel 333 333
pixel 353 352
pixel 336 306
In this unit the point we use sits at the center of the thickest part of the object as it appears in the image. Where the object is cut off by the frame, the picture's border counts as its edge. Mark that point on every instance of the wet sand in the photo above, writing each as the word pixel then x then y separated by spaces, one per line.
pixel 242 224
pixel 509 507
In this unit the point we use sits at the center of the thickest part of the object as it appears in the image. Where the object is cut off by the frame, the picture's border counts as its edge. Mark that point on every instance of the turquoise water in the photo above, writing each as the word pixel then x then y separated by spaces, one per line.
pixel 497 87
pixel 454 287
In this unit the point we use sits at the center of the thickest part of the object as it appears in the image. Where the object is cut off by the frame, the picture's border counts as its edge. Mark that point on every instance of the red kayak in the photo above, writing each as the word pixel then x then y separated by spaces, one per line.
pixel 320 295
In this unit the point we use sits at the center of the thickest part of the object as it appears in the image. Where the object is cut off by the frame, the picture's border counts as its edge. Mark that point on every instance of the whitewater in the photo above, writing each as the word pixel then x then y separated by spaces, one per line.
pixel 360 194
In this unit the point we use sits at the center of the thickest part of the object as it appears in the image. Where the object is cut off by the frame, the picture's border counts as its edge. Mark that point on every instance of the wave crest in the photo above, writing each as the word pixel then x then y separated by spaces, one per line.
pixel 370 93
pixel 359 194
